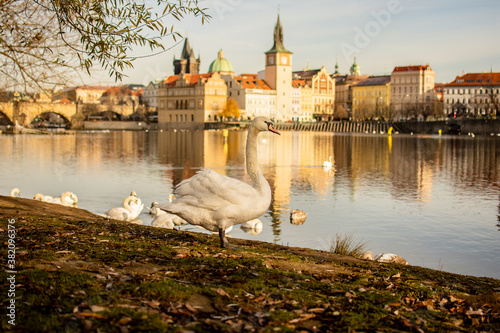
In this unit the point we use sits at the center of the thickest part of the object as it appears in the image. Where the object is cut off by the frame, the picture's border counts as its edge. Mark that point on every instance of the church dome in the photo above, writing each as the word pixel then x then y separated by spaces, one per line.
pixel 221 65
pixel 355 69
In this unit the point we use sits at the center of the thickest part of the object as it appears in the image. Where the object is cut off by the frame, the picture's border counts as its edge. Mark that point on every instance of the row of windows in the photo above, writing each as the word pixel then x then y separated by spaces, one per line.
pixel 181 117
pixel 468 100
pixel 472 91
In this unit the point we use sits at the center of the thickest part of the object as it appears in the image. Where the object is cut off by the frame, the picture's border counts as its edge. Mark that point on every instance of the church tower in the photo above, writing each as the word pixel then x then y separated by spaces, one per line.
pixel 187 64
pixel 278 73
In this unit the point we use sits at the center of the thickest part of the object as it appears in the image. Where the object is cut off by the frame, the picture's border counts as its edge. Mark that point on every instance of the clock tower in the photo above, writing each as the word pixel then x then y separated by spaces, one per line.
pixel 278 74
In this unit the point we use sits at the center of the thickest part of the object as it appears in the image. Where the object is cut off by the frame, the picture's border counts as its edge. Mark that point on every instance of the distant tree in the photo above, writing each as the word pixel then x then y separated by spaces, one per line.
pixel 340 112
pixel 48 42
pixel 494 100
pixel 231 109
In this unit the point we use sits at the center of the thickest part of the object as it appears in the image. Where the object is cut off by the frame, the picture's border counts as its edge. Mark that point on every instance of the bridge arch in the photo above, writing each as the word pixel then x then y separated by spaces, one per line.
pixel 5 120
pixel 50 119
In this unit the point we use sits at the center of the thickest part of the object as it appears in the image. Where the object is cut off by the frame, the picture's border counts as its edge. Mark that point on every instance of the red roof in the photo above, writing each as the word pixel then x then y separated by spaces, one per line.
pixel 298 83
pixel 411 68
pixel 476 79
pixel 250 81
pixel 191 79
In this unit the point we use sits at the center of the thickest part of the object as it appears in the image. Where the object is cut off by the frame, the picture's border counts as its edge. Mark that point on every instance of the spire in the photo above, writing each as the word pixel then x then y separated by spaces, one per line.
pixel 186 50
pixel 337 65
pixel 278 39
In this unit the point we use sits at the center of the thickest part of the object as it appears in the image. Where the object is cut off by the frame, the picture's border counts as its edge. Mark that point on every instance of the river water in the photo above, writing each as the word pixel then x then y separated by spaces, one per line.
pixel 433 200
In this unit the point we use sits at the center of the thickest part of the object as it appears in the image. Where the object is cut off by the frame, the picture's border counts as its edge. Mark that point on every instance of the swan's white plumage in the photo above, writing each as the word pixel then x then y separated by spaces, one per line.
pixel 128 212
pixel 216 202
pixel 165 220
pixel 15 192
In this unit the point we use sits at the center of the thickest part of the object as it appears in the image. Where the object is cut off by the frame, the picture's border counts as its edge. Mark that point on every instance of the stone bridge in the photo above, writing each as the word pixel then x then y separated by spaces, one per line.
pixel 25 112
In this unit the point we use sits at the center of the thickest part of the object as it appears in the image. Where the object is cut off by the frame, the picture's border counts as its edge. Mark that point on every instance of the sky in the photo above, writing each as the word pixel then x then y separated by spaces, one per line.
pixel 452 36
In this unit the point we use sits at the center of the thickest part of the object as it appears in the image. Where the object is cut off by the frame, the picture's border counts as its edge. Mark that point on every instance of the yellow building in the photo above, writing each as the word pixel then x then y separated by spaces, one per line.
pixel 189 100
pixel 372 99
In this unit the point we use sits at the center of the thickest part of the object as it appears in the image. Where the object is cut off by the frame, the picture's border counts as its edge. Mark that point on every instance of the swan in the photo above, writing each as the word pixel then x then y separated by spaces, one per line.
pixel 152 209
pixel 327 165
pixel 385 257
pixel 165 220
pixel 253 227
pixel 65 199
pixel 15 192
pixel 216 202
pixel 129 212
pixel 297 217
pixel 139 203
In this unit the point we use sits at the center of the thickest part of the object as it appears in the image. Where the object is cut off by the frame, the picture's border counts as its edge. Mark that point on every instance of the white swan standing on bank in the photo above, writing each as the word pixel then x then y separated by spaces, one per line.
pixel 15 192
pixel 129 212
pixel 216 202
pixel 165 220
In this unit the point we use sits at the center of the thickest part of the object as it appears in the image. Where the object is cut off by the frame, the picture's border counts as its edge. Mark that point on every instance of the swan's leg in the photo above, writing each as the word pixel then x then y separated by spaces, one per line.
pixel 223 240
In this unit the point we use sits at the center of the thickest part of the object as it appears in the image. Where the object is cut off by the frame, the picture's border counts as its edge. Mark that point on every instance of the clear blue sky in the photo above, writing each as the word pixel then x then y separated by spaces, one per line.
pixel 450 35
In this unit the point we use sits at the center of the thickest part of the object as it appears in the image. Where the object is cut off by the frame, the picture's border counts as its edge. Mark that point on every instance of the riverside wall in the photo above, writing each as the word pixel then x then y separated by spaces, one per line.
pixel 454 126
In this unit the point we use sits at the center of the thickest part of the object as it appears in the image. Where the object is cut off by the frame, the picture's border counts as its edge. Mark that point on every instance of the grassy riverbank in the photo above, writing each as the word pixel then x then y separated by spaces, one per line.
pixel 78 272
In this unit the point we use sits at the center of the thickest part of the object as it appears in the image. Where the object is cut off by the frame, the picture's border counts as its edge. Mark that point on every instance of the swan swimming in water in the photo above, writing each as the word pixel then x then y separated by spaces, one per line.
pixel 216 202
pixel 327 165
pixel 129 212
pixel 253 227
pixel 152 209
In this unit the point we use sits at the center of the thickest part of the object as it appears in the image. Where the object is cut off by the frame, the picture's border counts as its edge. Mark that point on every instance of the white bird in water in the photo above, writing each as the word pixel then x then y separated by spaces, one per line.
pixel 297 216
pixel 216 202
pixel 253 227
pixel 327 165
pixel 152 209
pixel 129 212
pixel 15 192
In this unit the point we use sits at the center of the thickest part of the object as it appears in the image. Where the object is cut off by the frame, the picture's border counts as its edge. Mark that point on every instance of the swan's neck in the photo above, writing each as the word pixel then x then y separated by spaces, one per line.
pixel 252 163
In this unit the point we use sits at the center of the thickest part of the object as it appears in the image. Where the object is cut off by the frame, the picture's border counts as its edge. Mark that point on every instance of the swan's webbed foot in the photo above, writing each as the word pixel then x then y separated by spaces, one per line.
pixel 223 240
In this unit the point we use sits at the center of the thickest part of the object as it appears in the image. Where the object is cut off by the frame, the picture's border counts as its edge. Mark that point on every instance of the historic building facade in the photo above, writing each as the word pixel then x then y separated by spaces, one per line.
pixel 253 95
pixel 472 94
pixel 372 98
pixel 412 90
pixel 190 100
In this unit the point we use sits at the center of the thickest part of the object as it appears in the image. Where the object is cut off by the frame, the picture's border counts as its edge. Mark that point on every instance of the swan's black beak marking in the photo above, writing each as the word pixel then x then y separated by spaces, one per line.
pixel 271 128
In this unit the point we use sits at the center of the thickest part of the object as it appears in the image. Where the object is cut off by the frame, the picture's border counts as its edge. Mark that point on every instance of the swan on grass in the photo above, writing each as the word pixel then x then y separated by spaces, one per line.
pixel 15 192
pixel 66 199
pixel 165 220
pixel 129 212
pixel 216 202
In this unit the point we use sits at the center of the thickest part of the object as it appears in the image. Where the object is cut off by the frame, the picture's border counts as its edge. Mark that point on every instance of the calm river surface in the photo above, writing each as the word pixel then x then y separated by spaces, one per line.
pixel 433 200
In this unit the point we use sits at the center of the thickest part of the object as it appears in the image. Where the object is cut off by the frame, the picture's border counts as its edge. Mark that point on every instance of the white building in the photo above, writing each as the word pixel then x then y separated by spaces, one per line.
pixel 412 90
pixel 473 94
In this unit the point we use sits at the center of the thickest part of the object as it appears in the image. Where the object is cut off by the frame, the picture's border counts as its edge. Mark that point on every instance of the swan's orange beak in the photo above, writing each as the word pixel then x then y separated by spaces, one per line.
pixel 272 129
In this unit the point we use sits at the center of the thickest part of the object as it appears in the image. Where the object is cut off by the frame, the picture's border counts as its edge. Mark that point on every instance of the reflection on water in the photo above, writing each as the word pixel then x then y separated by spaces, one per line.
pixel 434 200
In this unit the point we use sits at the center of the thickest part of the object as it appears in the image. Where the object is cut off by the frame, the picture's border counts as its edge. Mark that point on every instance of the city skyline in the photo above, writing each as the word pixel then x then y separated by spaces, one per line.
pixel 450 36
